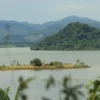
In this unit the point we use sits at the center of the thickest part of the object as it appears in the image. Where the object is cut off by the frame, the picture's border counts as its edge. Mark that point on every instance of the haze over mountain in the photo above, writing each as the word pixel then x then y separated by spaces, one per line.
pixel 75 36
pixel 26 33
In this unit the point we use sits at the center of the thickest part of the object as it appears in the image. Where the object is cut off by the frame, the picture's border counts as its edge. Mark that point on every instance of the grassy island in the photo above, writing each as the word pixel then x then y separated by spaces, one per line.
pixel 36 64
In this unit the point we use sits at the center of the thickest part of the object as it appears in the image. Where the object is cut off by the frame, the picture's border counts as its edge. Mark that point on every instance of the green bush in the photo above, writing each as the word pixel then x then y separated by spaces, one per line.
pixel 36 62
pixel 3 66
pixel 80 64
pixel 55 63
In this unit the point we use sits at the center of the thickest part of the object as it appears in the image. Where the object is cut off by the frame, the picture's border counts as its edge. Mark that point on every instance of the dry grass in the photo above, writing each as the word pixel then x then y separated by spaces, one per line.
pixel 43 67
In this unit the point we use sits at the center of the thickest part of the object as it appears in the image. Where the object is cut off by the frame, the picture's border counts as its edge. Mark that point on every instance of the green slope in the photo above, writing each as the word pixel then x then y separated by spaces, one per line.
pixel 75 36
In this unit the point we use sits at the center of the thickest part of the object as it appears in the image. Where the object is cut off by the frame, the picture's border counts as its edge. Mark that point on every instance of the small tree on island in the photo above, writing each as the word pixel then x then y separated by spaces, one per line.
pixel 36 62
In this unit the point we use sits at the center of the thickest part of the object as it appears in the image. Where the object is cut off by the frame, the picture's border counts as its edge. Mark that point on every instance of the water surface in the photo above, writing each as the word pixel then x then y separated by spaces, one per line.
pixel 36 88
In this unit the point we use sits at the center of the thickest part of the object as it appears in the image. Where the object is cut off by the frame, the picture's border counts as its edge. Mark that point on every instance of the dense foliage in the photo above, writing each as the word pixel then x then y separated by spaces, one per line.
pixel 75 36
pixel 3 95
pixel 93 90
pixel 36 62
pixel 25 34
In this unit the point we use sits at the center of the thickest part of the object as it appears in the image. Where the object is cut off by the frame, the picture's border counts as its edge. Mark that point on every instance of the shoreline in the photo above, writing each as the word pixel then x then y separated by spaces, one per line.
pixel 29 67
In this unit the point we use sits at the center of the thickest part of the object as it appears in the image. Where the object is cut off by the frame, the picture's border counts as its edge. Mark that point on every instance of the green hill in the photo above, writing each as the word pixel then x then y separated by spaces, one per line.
pixel 26 34
pixel 75 36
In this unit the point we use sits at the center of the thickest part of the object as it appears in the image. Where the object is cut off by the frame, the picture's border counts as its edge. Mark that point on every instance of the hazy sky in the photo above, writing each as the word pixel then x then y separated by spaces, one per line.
pixel 40 11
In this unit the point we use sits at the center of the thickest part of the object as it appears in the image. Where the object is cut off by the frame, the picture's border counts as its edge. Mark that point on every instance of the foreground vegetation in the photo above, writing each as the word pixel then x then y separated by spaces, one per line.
pixel 37 64
pixel 69 91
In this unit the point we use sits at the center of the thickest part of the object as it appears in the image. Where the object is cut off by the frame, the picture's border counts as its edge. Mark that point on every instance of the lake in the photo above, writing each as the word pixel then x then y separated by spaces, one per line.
pixel 36 88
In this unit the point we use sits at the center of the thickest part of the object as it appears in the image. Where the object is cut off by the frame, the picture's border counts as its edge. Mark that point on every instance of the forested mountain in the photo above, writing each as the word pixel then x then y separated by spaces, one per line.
pixel 75 36
pixel 26 33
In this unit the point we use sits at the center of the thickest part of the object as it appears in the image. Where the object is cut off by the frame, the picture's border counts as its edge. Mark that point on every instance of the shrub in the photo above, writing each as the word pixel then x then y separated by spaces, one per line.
pixel 3 66
pixel 55 63
pixel 80 64
pixel 36 62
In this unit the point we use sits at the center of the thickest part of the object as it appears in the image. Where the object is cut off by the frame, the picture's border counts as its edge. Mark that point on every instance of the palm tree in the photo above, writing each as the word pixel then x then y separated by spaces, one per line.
pixel 71 92
pixel 23 85
pixel 94 90
pixel 4 95
pixel 50 82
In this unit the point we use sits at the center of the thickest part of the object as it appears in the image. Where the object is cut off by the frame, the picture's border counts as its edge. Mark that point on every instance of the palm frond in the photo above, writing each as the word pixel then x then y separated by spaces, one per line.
pixel 45 98
pixel 65 81
pixel 50 82
pixel 17 93
pixel 7 90
pixel 3 95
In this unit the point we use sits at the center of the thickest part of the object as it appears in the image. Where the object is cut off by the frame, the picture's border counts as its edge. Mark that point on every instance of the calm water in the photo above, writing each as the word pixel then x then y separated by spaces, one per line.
pixel 36 88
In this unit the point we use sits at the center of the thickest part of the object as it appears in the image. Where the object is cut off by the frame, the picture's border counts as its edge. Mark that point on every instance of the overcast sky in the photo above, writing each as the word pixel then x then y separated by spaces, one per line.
pixel 40 11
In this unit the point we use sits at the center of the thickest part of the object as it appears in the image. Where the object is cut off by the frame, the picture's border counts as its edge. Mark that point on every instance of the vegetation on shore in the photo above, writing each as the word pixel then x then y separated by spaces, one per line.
pixel 37 64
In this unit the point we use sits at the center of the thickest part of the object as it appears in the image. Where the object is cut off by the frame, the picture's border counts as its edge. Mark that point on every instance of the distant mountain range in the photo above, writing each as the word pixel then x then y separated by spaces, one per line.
pixel 26 33
pixel 75 36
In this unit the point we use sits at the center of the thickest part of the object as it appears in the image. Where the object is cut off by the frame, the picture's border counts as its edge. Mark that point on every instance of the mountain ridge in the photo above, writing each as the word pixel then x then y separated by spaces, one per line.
pixel 32 33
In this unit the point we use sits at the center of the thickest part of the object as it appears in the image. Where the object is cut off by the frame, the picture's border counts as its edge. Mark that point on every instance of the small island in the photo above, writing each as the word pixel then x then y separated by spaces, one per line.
pixel 37 64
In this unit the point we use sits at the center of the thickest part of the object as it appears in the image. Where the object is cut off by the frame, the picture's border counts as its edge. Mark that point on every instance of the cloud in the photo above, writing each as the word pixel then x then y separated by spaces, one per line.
pixel 76 7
